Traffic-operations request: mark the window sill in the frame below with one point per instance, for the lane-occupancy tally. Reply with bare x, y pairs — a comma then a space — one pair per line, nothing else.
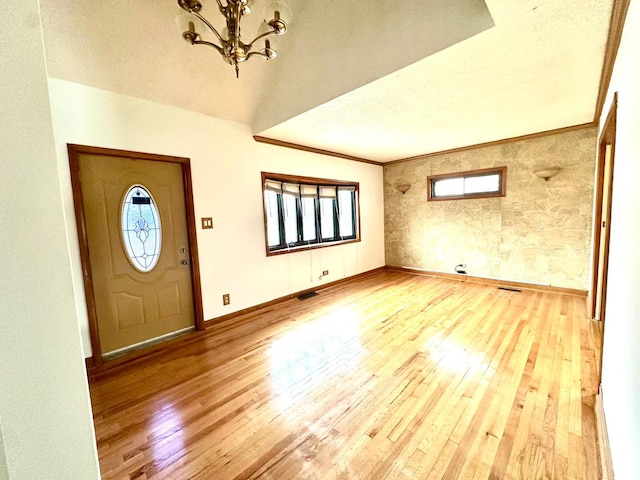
312, 246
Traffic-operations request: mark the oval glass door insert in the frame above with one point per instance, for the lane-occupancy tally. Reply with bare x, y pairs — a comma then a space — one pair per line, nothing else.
141, 228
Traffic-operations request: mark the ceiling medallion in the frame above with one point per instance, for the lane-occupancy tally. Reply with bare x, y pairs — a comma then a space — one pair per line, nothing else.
232, 49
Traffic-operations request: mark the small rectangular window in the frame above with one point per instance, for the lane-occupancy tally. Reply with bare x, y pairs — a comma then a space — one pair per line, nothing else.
302, 212
489, 182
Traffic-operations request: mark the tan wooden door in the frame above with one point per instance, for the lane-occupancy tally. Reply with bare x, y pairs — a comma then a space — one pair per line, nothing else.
145, 295
602, 219
605, 233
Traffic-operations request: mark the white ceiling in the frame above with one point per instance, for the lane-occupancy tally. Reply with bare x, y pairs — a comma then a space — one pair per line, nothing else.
377, 80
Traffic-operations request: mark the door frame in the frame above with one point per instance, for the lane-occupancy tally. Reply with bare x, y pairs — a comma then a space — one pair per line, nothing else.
607, 139
74, 152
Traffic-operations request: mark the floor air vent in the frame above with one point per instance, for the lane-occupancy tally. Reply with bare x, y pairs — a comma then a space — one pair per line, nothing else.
509, 289
304, 296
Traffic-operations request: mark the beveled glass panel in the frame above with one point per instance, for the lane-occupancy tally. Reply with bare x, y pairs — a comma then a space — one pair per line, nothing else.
141, 228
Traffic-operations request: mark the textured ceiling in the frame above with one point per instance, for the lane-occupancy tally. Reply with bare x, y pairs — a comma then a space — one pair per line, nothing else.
381, 80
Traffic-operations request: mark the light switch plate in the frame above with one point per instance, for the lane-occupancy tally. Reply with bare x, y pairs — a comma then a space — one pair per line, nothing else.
207, 222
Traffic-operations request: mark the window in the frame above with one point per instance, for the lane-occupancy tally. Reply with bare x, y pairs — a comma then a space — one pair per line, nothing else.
303, 212
141, 229
490, 182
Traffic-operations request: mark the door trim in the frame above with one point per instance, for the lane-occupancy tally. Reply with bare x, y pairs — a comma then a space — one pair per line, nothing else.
607, 137
74, 152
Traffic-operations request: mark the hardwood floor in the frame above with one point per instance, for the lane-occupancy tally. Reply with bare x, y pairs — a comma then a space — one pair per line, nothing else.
390, 376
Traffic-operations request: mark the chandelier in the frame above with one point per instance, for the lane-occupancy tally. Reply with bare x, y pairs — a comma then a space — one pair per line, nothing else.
229, 43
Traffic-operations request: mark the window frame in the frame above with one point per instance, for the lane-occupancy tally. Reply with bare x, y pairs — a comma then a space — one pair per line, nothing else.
318, 241
502, 191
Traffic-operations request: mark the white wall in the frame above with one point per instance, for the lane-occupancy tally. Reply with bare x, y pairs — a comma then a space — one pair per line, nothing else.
47, 430
621, 368
4, 468
226, 163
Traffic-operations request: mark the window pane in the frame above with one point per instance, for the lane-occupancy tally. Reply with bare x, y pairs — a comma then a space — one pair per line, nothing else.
273, 218
304, 215
141, 228
345, 209
487, 182
481, 184
448, 187
290, 220
326, 218
308, 218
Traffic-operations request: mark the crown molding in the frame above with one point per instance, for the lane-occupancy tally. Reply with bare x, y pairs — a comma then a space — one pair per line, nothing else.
618, 17
494, 143
304, 148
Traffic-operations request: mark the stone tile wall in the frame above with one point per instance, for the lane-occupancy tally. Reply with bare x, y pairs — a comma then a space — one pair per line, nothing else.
539, 233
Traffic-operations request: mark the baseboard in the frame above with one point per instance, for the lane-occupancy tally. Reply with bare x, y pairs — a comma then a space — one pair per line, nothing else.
491, 281
603, 440
270, 303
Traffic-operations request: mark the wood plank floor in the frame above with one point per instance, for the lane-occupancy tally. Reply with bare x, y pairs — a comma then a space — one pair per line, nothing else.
390, 376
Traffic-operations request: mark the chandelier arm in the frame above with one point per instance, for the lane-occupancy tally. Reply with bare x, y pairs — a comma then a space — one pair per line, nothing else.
220, 6
211, 27
259, 37
259, 54
237, 34
203, 42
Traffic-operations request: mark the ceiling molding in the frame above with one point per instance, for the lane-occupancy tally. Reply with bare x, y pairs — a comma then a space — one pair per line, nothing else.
304, 148
498, 142
618, 16
494, 143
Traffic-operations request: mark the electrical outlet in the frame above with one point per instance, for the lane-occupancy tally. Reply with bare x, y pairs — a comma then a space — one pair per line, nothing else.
226, 299
325, 273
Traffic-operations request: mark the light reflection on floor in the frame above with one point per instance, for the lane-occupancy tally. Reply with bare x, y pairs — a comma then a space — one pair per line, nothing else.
166, 422
313, 353
456, 359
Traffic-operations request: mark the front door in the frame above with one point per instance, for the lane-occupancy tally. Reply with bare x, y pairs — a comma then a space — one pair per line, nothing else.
602, 222
138, 245
605, 230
